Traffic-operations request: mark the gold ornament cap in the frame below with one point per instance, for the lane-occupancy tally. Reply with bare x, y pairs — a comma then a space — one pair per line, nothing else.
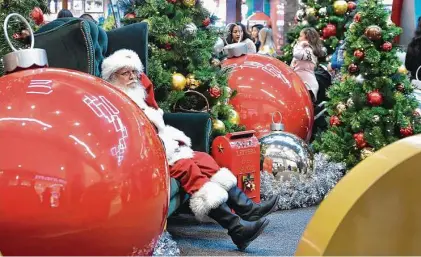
277, 126
23, 58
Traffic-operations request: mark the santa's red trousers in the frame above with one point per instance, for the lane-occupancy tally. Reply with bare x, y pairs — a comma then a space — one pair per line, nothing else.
193, 173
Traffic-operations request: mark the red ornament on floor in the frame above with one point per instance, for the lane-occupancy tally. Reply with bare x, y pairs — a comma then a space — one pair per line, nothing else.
82, 171
266, 85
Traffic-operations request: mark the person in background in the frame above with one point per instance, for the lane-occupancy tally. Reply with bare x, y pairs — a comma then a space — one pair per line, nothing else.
305, 54
88, 17
63, 13
267, 46
413, 52
237, 34
337, 59
255, 34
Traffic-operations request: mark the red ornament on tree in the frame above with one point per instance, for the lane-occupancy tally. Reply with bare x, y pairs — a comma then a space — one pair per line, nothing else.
130, 16
359, 54
357, 17
387, 46
375, 98
335, 121
359, 140
215, 92
329, 31
206, 22
167, 46
37, 16
351, 6
400, 88
353, 68
406, 132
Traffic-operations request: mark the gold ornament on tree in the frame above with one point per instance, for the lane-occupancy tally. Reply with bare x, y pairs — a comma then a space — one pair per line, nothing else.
402, 70
218, 126
178, 81
234, 117
216, 62
311, 11
340, 7
350, 102
189, 3
192, 83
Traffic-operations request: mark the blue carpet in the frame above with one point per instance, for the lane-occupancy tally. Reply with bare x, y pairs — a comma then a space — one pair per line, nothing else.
281, 237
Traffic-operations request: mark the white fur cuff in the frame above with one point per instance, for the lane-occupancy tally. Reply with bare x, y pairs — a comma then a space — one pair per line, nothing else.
225, 178
209, 196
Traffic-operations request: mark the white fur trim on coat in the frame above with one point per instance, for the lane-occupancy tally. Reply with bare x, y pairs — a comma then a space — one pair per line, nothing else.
182, 152
156, 117
209, 196
177, 135
224, 178
120, 59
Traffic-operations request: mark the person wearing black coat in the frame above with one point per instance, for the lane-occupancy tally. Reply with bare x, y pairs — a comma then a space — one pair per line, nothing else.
413, 53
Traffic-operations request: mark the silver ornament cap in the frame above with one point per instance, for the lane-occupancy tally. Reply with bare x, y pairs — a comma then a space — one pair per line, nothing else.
21, 59
277, 126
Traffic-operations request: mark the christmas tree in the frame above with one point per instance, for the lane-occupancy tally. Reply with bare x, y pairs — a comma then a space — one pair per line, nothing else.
328, 17
183, 68
15, 28
372, 106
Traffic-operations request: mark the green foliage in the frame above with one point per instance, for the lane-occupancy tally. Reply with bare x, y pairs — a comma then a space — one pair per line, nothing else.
379, 70
172, 49
317, 20
24, 8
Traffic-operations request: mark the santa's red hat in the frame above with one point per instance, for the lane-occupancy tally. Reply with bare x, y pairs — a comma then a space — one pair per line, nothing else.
125, 58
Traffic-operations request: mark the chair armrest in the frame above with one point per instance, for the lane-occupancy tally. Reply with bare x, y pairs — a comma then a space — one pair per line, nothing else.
197, 126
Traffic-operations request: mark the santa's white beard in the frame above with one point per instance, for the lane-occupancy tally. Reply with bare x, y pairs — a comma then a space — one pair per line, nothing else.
135, 91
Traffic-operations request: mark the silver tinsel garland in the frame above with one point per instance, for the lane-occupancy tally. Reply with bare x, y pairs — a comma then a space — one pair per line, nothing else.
303, 190
166, 246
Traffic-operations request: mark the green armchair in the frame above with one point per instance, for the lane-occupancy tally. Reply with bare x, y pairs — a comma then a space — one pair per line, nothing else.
81, 45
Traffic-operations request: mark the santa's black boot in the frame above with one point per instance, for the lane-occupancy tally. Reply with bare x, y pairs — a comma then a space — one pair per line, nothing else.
242, 232
246, 208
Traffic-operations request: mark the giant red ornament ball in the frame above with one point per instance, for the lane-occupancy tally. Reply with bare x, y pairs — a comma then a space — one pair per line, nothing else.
266, 85
406, 132
375, 98
82, 169
329, 31
335, 121
359, 54
359, 140
387, 46
37, 16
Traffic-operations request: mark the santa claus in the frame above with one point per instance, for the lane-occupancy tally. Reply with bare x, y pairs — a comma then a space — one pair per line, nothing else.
212, 188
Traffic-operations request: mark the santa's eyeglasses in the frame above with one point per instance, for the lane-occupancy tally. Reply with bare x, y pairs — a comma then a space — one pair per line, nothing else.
127, 74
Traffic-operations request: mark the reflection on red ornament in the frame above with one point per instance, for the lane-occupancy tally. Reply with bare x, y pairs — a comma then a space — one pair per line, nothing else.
375, 98
83, 173
359, 54
335, 121
359, 140
387, 46
266, 85
406, 132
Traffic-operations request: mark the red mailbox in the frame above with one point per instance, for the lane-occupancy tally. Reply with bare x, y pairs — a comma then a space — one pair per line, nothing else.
240, 152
